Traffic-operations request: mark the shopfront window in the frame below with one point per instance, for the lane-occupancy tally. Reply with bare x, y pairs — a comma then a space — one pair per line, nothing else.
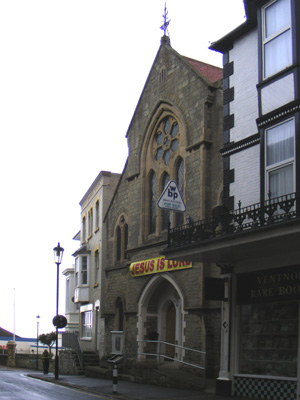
269, 339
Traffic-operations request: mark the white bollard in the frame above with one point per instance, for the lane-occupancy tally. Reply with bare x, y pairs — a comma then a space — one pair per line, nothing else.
115, 379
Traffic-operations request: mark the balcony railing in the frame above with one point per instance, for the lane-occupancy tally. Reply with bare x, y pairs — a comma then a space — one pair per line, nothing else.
223, 222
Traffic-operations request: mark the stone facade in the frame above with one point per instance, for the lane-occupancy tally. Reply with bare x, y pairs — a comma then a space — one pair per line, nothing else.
175, 134
85, 281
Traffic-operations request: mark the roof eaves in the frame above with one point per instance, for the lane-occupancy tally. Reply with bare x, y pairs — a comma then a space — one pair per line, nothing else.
81, 250
226, 42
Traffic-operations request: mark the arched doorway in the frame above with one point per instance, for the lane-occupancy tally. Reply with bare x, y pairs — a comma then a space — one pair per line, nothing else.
161, 314
171, 330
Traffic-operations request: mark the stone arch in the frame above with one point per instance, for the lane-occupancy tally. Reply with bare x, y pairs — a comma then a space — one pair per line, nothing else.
160, 293
165, 113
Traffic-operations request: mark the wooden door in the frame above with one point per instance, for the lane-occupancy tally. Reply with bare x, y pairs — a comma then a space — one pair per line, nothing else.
171, 326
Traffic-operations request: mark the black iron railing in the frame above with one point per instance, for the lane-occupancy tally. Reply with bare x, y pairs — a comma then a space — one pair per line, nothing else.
224, 222
182, 355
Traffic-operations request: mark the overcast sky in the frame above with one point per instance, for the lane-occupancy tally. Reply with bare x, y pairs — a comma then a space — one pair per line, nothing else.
71, 74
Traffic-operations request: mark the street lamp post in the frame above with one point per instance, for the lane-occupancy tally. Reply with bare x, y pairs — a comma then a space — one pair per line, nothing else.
37, 342
58, 254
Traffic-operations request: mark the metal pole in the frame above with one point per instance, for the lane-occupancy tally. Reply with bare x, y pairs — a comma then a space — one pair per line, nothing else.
56, 345
37, 344
14, 334
115, 379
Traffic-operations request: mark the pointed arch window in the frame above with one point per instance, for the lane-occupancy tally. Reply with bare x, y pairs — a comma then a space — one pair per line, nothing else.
152, 203
165, 213
119, 243
180, 184
121, 240
164, 163
125, 240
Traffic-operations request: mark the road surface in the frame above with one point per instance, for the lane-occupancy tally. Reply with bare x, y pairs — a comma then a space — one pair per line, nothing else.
16, 385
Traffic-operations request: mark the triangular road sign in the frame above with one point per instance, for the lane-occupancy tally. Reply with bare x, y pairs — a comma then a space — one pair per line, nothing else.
171, 199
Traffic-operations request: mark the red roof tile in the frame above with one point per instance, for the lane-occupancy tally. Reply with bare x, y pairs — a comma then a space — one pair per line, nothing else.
210, 72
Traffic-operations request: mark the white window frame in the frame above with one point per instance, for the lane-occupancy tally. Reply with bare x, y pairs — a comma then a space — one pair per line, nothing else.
76, 271
281, 164
86, 312
97, 208
83, 228
266, 40
84, 271
97, 265
79, 270
90, 222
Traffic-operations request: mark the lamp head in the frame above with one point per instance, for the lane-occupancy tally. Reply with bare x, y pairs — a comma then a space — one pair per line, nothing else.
58, 254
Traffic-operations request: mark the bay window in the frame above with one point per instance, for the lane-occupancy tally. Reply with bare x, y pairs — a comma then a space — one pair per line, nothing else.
84, 271
280, 150
277, 37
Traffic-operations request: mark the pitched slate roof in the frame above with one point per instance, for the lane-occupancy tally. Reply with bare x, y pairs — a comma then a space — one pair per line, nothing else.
210, 72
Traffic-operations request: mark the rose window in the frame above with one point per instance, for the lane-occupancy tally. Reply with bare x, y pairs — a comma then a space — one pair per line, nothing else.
166, 140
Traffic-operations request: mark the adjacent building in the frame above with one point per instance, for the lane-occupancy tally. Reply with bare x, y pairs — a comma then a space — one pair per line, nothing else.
85, 281
254, 238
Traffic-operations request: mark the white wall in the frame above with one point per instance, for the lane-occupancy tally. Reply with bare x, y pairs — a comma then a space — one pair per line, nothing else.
246, 185
244, 80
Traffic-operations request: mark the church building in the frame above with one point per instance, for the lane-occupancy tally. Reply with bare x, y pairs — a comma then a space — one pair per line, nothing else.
174, 141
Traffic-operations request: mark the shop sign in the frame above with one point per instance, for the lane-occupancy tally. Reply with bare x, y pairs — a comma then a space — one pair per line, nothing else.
280, 284
157, 265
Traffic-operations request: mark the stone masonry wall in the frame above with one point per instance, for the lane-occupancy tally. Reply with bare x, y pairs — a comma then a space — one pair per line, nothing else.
197, 106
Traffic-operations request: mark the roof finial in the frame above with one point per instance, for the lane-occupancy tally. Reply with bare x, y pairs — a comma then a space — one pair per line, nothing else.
165, 24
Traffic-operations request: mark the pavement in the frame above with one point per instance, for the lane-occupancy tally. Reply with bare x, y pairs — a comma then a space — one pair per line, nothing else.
127, 390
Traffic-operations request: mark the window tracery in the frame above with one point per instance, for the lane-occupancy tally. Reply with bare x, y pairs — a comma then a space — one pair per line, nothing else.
166, 140
165, 162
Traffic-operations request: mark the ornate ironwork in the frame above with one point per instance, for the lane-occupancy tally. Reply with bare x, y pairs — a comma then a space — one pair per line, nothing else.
165, 24
223, 222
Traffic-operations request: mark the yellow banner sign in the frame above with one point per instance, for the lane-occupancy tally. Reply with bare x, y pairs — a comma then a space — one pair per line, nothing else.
156, 265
